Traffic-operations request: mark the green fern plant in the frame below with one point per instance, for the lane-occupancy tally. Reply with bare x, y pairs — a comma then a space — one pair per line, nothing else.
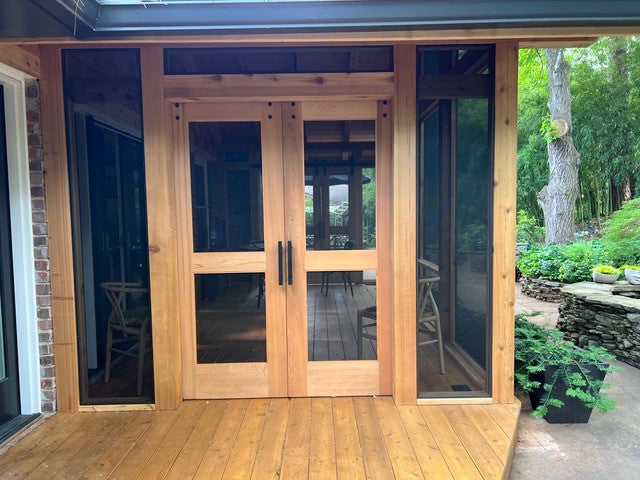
537, 348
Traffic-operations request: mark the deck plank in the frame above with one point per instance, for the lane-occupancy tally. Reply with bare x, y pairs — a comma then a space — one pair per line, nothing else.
454, 452
322, 450
243, 453
401, 452
295, 460
428, 454
482, 454
269, 456
216, 457
349, 460
350, 438
376, 459
188, 460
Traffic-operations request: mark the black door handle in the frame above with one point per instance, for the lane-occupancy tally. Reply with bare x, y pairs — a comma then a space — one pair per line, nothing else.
280, 272
290, 262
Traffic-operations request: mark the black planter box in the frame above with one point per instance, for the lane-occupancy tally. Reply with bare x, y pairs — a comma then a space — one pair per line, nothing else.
574, 409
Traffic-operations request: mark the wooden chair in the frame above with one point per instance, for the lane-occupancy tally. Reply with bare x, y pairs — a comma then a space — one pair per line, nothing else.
346, 276
129, 324
428, 319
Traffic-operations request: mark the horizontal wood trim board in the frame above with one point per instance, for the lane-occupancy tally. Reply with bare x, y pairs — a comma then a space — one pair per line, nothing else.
277, 87
379, 37
455, 401
21, 59
228, 262
342, 378
223, 112
231, 380
347, 110
454, 86
341, 260
130, 407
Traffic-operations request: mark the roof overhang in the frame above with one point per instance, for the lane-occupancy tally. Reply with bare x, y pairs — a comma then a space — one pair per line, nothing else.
100, 19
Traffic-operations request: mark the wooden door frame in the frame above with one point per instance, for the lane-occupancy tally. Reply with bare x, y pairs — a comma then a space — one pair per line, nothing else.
231, 380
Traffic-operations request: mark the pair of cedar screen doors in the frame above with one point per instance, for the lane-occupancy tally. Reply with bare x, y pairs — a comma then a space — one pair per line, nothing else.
284, 214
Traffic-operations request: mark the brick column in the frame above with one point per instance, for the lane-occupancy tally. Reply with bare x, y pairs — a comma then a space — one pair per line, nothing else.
40, 247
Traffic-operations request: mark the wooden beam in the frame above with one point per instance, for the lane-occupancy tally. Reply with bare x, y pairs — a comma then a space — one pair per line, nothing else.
378, 37
504, 220
161, 226
278, 87
454, 85
404, 226
558, 42
59, 230
24, 59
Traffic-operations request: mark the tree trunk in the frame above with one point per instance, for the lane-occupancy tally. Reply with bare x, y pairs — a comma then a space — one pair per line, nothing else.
558, 198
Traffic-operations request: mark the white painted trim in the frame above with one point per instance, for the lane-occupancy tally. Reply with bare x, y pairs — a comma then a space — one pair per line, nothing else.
22, 238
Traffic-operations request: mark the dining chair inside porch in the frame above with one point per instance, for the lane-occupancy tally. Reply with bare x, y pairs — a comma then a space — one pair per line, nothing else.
428, 320
126, 325
346, 276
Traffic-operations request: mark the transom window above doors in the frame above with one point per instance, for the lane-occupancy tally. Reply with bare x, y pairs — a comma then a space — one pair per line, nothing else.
202, 61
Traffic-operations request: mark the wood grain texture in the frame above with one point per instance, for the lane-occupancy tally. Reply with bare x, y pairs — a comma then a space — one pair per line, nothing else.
341, 260
342, 378
384, 242
568, 35
404, 226
345, 110
59, 230
504, 220
161, 228
277, 87
345, 438
27, 60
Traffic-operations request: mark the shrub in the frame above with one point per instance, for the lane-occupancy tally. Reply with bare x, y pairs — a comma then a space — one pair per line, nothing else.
606, 270
624, 224
563, 263
527, 229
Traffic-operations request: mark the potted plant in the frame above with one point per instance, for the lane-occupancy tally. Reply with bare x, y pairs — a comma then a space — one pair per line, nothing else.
564, 382
632, 274
605, 274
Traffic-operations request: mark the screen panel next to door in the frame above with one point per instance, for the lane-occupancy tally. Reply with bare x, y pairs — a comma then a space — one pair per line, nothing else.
109, 216
454, 222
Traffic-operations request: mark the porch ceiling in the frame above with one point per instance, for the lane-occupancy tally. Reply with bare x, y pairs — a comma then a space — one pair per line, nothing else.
108, 18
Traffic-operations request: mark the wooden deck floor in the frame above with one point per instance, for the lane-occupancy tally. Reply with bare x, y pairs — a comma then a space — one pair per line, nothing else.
320, 438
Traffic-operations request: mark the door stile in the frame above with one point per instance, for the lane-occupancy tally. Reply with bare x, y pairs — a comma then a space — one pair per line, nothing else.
297, 336
274, 232
180, 128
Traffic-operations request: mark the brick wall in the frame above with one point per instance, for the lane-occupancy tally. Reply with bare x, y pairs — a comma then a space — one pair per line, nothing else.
40, 247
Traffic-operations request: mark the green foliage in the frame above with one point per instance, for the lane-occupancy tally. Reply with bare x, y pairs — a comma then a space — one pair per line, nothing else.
630, 267
527, 229
549, 130
537, 348
606, 270
605, 86
624, 224
563, 263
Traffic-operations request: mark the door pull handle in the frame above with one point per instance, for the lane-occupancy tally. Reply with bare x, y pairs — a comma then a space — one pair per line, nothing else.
290, 263
280, 272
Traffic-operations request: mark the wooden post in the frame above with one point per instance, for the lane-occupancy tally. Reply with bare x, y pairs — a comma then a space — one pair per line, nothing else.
405, 390
504, 219
63, 304
161, 220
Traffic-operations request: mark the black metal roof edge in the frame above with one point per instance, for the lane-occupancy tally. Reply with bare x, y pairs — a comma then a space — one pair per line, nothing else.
363, 14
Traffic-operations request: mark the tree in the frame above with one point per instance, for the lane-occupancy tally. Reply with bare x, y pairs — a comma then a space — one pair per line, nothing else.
558, 197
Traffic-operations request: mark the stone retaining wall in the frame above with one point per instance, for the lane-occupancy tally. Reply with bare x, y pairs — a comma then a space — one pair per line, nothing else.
591, 315
545, 290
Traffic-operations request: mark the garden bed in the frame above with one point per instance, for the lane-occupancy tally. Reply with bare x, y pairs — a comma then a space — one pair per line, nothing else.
590, 314
545, 290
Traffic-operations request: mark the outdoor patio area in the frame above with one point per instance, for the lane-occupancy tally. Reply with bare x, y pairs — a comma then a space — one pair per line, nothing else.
346, 438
